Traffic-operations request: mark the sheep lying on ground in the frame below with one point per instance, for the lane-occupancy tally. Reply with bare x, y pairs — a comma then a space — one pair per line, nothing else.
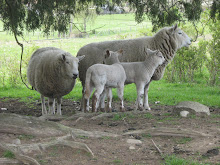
100, 76
52, 72
168, 40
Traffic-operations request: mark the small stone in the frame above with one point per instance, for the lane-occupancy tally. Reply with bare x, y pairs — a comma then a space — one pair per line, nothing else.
16, 141
134, 141
4, 109
132, 148
184, 113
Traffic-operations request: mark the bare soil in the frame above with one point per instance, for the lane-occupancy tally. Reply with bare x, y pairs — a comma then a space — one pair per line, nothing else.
202, 146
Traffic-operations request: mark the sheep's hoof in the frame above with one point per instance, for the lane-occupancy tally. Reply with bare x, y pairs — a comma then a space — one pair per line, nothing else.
102, 109
122, 109
147, 108
109, 110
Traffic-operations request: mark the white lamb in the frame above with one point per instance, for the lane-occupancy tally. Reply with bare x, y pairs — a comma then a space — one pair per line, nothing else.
140, 73
52, 72
101, 76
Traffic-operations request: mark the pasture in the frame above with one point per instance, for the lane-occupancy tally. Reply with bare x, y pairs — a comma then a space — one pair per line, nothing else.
201, 133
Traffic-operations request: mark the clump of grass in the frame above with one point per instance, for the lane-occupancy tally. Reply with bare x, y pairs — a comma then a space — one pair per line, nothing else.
183, 140
25, 137
148, 116
117, 117
174, 160
9, 154
117, 161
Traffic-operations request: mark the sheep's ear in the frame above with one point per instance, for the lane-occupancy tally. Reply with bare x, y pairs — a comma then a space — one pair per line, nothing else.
148, 51
172, 30
81, 57
121, 51
63, 57
107, 54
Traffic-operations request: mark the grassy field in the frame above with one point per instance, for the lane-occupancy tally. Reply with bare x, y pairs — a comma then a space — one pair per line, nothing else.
166, 93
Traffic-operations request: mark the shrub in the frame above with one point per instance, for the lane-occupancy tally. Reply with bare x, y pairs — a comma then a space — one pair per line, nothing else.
187, 63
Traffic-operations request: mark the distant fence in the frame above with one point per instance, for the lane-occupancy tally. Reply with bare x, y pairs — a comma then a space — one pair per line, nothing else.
96, 32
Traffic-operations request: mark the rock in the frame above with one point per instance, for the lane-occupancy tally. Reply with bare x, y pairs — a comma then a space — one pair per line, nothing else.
134, 141
4, 109
131, 148
184, 113
211, 152
16, 141
191, 107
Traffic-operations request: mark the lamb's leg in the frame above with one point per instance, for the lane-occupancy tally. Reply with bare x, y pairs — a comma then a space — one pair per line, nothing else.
146, 89
109, 102
86, 100
140, 95
102, 100
44, 110
59, 101
95, 98
51, 105
120, 95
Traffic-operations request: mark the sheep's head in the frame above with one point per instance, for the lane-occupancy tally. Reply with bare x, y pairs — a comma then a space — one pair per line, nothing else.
112, 57
69, 65
180, 37
156, 55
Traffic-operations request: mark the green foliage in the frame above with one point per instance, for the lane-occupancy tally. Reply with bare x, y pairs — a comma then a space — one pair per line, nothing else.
187, 64
9, 154
9, 65
213, 63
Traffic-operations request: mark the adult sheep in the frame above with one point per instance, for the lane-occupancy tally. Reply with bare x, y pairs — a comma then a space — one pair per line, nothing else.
52, 72
167, 40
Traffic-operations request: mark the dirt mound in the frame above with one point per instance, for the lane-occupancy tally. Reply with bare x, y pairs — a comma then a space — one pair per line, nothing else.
102, 138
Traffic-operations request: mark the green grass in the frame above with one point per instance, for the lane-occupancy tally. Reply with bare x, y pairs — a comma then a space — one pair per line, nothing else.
9, 154
183, 140
174, 160
166, 93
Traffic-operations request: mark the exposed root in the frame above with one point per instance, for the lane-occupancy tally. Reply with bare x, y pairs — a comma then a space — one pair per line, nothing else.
19, 156
161, 154
164, 131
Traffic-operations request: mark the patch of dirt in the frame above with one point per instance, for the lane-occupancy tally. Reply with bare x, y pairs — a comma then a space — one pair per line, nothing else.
116, 150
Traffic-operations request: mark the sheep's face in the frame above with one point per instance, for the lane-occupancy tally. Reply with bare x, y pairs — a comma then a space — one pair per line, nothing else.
156, 55
70, 66
180, 37
159, 57
112, 57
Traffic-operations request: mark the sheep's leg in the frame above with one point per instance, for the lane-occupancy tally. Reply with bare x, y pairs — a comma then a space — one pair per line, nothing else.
86, 101
102, 100
140, 95
82, 100
95, 98
146, 89
44, 110
51, 105
59, 101
109, 102
120, 91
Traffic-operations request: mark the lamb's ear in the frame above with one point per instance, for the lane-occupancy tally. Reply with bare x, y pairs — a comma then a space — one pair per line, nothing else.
148, 51
121, 51
81, 57
107, 54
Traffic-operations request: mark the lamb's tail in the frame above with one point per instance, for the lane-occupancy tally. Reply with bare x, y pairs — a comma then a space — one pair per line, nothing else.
87, 84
